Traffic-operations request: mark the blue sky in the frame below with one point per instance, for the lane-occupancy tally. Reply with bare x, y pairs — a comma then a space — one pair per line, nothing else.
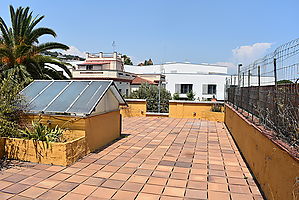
198, 31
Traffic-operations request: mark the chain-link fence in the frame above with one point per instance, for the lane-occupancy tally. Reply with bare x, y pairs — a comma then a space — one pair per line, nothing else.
156, 106
267, 92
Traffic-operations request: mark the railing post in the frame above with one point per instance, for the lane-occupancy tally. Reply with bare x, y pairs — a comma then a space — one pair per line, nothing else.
275, 93
258, 91
243, 82
275, 72
239, 71
248, 78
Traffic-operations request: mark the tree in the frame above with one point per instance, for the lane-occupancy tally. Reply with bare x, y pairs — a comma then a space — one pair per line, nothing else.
151, 94
20, 50
149, 62
127, 60
146, 62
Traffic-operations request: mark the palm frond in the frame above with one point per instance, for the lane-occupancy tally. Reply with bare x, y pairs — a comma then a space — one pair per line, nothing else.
50, 46
36, 33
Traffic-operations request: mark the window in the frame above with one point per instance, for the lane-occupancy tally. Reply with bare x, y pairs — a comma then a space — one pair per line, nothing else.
127, 92
208, 89
119, 90
89, 67
185, 88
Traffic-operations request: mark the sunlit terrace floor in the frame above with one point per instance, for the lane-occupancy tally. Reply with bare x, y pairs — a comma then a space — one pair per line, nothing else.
159, 158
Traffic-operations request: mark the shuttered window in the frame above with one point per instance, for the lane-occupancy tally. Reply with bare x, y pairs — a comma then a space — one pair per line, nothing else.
209, 89
177, 88
186, 88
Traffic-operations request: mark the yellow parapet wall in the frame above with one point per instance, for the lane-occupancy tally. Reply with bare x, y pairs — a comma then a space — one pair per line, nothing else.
2, 147
68, 122
102, 129
192, 109
85, 134
135, 108
275, 169
36, 151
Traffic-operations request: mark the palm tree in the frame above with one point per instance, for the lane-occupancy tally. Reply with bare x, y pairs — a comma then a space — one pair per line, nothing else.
21, 52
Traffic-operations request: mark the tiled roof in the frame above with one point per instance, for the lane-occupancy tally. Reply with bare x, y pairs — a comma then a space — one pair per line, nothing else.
138, 80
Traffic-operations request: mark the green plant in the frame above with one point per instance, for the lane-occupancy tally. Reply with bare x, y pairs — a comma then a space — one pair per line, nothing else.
151, 94
42, 132
11, 106
176, 96
216, 107
20, 47
191, 96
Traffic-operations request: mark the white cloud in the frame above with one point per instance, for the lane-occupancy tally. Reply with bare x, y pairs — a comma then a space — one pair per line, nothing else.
250, 53
74, 51
245, 55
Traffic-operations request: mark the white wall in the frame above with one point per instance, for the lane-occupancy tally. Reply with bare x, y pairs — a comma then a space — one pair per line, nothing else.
186, 73
177, 68
107, 104
123, 86
197, 81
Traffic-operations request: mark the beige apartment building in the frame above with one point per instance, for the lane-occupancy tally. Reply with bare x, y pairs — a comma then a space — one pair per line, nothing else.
105, 66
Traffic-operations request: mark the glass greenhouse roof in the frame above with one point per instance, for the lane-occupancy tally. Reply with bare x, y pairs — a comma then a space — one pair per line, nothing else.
67, 96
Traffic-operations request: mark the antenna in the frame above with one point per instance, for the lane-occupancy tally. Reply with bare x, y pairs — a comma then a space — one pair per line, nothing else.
113, 45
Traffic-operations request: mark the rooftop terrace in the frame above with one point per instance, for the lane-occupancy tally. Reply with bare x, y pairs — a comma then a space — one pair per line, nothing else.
158, 158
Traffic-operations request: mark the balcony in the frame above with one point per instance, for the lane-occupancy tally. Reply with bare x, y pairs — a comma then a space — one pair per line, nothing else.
81, 74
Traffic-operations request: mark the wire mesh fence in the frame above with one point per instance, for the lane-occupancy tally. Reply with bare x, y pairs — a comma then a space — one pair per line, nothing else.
156, 106
267, 92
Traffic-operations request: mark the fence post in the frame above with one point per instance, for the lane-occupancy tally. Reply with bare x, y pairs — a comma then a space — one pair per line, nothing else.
275, 93
243, 82
258, 92
239, 69
248, 78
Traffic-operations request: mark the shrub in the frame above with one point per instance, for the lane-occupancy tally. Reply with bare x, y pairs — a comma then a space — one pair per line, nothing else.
42, 132
191, 96
216, 107
11, 106
176, 96
151, 94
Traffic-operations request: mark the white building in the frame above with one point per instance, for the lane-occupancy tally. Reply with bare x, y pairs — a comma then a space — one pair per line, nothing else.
204, 80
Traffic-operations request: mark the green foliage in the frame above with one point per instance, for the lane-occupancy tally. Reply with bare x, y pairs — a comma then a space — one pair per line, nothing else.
41, 132
11, 105
64, 56
176, 96
191, 96
146, 62
151, 94
20, 47
216, 107
127, 60
284, 82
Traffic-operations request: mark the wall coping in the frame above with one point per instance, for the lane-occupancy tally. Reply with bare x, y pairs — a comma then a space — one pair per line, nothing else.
196, 102
154, 113
139, 100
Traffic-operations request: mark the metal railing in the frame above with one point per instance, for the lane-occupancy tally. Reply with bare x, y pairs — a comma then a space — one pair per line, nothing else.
267, 92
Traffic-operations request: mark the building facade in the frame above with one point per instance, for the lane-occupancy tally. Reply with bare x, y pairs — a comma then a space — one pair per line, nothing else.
206, 81
105, 66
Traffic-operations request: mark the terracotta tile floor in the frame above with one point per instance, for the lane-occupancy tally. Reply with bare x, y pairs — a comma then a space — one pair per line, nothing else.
158, 158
